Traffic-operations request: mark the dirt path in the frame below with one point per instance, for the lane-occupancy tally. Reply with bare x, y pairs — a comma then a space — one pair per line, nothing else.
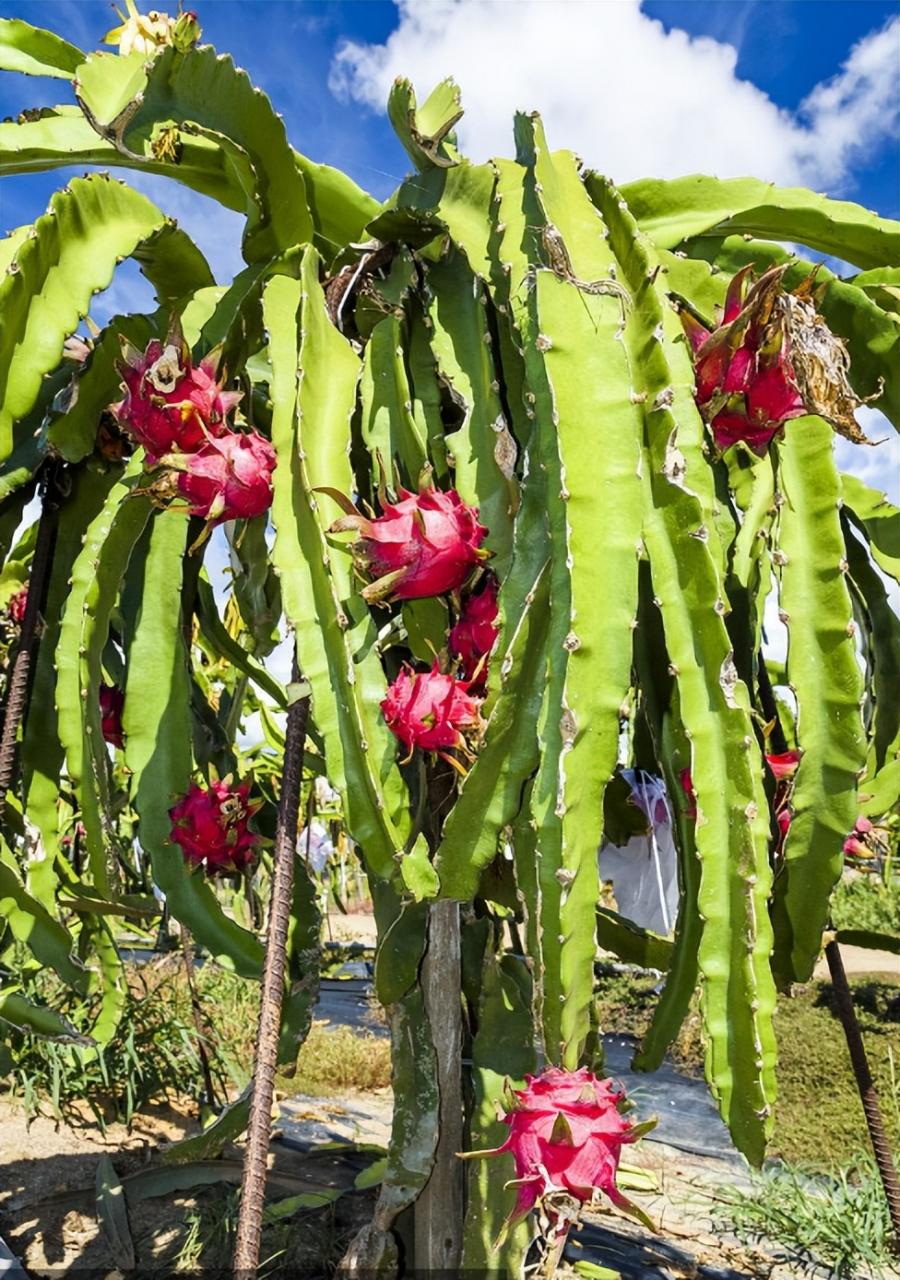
859, 960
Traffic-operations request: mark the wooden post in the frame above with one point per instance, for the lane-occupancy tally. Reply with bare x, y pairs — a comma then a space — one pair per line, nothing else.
439, 1210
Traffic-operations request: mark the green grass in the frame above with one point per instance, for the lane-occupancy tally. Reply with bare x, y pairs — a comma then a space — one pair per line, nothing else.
154, 1051
819, 1119
866, 902
335, 1059
840, 1224
331, 1060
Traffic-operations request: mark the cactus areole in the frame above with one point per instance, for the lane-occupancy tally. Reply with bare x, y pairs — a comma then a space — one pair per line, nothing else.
520, 462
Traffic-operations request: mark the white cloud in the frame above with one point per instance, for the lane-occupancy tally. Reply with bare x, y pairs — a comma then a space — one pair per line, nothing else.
631, 98
856, 109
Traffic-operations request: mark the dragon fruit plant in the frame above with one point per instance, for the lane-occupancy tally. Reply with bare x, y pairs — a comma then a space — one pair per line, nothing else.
581, 437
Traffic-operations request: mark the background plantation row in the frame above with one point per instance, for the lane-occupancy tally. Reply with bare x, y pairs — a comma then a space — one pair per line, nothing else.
610, 412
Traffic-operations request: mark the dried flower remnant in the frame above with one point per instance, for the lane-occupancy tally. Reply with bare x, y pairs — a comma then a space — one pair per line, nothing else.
772, 359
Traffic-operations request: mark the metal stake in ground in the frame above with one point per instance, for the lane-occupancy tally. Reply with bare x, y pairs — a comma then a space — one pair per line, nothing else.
19, 677
253, 1186
866, 1086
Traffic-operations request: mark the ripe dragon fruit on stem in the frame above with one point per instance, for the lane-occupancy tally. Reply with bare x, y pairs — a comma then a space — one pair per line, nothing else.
425, 544
430, 710
170, 406
566, 1132
112, 703
211, 824
475, 633
17, 604
227, 478
772, 358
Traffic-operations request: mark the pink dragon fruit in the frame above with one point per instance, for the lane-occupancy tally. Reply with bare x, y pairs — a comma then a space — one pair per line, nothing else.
566, 1132
772, 358
169, 405
429, 710
17, 604
227, 478
212, 826
425, 544
475, 633
112, 703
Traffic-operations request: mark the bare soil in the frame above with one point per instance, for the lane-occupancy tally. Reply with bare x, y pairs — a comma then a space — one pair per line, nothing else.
48, 1174
47, 1181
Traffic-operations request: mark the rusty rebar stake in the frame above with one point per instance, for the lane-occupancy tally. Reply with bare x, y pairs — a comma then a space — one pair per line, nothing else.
253, 1185
866, 1085
20, 673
